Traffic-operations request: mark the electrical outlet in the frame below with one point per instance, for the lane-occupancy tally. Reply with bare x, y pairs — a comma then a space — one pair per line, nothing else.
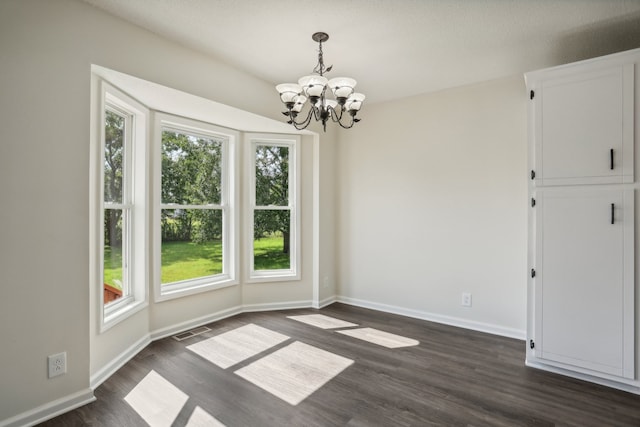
57, 364
466, 299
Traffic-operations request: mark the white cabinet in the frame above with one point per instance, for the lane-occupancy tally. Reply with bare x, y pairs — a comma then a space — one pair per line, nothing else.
581, 309
583, 125
584, 305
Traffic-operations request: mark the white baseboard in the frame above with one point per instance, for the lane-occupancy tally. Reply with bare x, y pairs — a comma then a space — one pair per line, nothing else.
194, 323
325, 302
438, 318
50, 409
249, 308
635, 389
106, 371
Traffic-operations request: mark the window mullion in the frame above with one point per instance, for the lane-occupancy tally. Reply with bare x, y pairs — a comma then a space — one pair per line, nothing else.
180, 206
272, 208
109, 205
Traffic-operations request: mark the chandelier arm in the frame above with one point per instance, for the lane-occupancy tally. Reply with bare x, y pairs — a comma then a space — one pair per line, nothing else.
303, 124
347, 127
317, 114
335, 116
342, 125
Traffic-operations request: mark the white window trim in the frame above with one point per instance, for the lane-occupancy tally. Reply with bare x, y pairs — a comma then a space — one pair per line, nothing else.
293, 142
136, 167
228, 203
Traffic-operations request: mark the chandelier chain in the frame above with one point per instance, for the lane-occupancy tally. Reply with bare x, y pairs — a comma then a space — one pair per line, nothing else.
319, 69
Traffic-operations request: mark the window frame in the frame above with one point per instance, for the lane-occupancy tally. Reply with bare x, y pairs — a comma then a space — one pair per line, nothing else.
227, 204
134, 206
294, 270
125, 205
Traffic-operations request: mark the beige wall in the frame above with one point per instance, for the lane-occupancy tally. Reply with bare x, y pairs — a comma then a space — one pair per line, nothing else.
327, 237
432, 203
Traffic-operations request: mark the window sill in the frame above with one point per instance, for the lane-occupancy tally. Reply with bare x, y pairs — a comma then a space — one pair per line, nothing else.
169, 292
121, 313
273, 276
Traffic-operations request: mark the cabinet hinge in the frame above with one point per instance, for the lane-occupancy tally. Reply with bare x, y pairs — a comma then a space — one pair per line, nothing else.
532, 345
533, 174
531, 94
533, 273
533, 202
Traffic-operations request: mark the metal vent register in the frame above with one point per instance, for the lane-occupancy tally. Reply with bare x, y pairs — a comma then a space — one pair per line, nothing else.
192, 333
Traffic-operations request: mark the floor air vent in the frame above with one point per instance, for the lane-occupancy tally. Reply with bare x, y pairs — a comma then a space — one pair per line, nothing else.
191, 333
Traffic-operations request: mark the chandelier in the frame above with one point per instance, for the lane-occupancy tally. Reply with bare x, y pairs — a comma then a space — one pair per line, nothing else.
313, 88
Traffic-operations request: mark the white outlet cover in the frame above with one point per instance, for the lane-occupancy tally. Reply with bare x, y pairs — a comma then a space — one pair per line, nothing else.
57, 364
466, 299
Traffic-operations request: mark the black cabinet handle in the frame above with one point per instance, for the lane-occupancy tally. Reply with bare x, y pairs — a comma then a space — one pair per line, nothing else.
611, 158
612, 213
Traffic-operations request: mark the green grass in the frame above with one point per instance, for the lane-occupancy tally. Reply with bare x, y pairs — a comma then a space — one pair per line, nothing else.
112, 266
186, 260
268, 255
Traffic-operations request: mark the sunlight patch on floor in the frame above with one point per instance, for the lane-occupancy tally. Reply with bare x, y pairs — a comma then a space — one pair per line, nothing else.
322, 321
234, 346
382, 338
156, 400
294, 372
201, 418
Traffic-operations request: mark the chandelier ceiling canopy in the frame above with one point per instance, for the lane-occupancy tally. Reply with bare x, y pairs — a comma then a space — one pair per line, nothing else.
313, 88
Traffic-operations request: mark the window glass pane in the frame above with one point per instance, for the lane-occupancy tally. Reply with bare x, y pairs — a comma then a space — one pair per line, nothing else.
272, 175
191, 244
191, 169
113, 156
271, 240
113, 279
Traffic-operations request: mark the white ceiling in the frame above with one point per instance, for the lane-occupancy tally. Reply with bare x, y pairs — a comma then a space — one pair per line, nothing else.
394, 48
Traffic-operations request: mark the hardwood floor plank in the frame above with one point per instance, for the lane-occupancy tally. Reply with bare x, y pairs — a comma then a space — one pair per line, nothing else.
454, 377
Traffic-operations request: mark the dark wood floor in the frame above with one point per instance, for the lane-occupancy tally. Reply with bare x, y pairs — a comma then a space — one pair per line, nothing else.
455, 377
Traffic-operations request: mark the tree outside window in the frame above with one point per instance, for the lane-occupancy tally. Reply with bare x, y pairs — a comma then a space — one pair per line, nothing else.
192, 213
274, 216
115, 278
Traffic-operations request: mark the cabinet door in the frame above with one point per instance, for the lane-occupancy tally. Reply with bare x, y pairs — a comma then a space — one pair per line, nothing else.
584, 126
584, 288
